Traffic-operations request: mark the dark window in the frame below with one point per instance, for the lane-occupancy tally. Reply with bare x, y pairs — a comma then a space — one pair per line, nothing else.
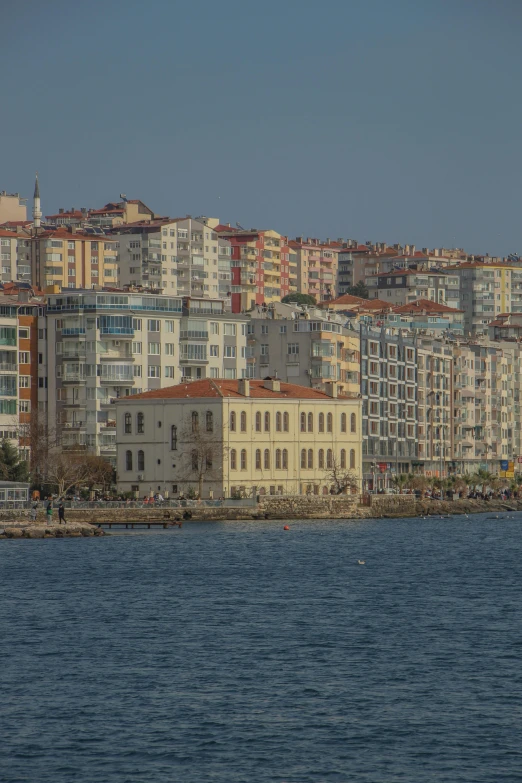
141, 460
174, 438
140, 423
128, 460
127, 424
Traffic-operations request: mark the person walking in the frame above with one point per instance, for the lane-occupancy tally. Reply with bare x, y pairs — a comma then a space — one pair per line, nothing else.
49, 510
33, 511
61, 513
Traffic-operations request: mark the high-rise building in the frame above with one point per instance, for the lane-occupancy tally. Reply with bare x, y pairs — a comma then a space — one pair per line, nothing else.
15, 255
316, 267
73, 259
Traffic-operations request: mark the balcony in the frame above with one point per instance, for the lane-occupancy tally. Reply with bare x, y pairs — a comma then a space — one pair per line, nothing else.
119, 330
73, 331
8, 367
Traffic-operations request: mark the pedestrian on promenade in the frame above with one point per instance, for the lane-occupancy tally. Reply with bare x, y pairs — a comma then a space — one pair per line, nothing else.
61, 513
33, 511
49, 510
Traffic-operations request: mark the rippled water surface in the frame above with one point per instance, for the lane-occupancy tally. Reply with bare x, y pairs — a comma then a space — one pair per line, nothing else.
224, 653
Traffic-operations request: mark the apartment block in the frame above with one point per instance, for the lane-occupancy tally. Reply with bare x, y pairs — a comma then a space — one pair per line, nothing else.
13, 208
15, 255
72, 259
246, 437
260, 266
106, 345
9, 358
316, 267
399, 287
303, 345
486, 290
435, 408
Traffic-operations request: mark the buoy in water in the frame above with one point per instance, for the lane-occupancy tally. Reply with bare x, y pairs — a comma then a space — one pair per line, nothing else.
286, 527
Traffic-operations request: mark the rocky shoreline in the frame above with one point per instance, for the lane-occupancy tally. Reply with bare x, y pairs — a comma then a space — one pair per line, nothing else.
69, 530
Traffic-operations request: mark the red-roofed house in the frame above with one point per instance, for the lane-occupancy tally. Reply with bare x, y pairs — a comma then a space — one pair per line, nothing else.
224, 438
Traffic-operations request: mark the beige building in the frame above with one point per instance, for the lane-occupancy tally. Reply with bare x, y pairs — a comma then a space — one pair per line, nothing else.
229, 438
13, 208
15, 254
316, 267
72, 259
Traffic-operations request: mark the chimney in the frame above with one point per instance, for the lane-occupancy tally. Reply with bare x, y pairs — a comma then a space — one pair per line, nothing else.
243, 387
330, 388
60, 211
272, 384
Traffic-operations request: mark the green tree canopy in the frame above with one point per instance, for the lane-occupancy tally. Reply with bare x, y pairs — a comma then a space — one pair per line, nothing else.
12, 468
301, 299
359, 290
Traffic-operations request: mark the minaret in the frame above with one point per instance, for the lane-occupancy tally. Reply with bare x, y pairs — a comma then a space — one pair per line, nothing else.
37, 212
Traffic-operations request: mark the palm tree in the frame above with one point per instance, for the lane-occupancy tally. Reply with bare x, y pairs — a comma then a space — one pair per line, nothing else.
400, 481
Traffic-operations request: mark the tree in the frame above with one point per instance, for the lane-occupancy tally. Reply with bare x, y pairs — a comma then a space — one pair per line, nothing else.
360, 289
202, 450
98, 471
12, 468
65, 470
400, 481
40, 439
300, 299
341, 479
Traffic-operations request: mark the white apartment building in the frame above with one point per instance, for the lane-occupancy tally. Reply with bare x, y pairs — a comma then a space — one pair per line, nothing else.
106, 345
182, 257
8, 371
15, 255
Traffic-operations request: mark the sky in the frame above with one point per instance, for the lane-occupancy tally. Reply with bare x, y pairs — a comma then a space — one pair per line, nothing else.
375, 120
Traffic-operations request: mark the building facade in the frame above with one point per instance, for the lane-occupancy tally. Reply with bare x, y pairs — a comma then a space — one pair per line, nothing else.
316, 267
72, 259
223, 439
15, 255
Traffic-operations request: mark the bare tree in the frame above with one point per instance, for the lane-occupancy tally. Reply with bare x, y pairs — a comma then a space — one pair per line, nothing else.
40, 439
202, 449
65, 470
341, 479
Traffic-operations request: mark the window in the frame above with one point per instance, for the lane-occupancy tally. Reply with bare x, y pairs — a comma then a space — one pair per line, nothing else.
173, 438
303, 422
194, 459
321, 422
266, 459
329, 422
303, 458
169, 349
169, 371
209, 421
154, 349
285, 459
23, 357
24, 381
24, 406
136, 324
141, 460
286, 422
343, 422
154, 371
136, 347
214, 327
23, 334
329, 458
242, 421
169, 326
230, 352
278, 422
214, 350
229, 329
310, 422
258, 459
353, 423
195, 421
292, 349
128, 460
352, 459
153, 325
343, 458
258, 422
243, 458
310, 459
127, 426
140, 423
321, 458
232, 421
233, 459
267, 422
278, 459
136, 370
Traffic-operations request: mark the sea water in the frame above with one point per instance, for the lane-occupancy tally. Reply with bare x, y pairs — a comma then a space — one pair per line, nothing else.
233, 652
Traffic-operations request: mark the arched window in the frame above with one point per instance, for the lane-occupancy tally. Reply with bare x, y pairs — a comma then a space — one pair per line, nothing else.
258, 459
173, 438
141, 460
267, 421
321, 458
321, 422
329, 459
310, 458
343, 422
242, 421
303, 422
243, 459
278, 422
258, 421
233, 459
128, 460
127, 424
286, 422
232, 421
194, 458
278, 459
140, 423
209, 419
343, 458
303, 458
262, 490
195, 421
353, 423
310, 422
329, 422
352, 459
285, 459
266, 460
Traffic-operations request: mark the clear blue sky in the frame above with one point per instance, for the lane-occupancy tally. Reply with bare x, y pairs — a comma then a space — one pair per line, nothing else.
389, 120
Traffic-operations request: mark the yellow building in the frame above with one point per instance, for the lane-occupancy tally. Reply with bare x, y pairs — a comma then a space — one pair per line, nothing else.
72, 259
227, 438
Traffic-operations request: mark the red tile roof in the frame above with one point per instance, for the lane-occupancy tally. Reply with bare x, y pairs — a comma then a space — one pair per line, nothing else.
424, 306
15, 223
357, 303
345, 299
222, 388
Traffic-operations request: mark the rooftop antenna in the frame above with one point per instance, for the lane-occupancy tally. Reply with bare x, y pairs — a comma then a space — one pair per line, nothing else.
241, 227
123, 196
